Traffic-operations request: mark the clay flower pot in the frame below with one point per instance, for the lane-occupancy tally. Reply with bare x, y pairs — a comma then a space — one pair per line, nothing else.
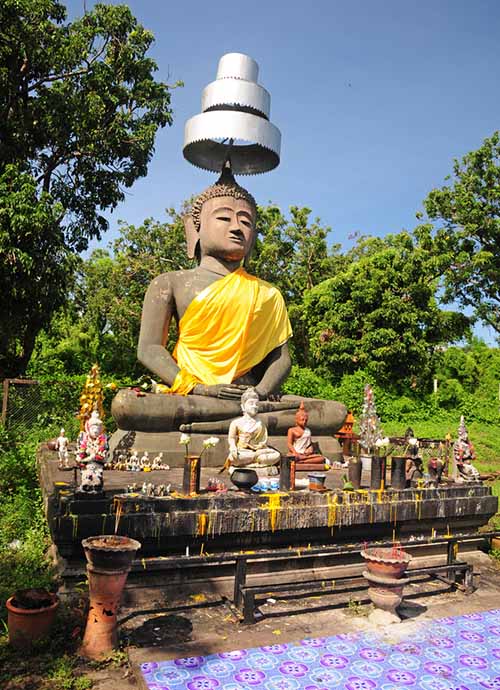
110, 552
384, 593
386, 562
244, 478
26, 625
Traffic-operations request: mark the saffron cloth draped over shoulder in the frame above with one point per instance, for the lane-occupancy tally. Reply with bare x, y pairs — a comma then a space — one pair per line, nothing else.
228, 329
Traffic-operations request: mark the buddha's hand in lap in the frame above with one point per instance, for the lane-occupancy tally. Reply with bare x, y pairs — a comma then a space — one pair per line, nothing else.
226, 391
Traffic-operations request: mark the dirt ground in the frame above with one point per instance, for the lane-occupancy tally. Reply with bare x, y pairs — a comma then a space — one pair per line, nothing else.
200, 624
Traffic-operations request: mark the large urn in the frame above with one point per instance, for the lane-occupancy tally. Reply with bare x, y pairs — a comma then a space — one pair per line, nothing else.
109, 559
385, 575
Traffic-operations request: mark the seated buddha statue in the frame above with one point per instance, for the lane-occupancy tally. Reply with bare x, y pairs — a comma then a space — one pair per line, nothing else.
300, 443
233, 332
247, 436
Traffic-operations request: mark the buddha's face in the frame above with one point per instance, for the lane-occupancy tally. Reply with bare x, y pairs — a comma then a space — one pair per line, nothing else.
227, 229
251, 406
301, 419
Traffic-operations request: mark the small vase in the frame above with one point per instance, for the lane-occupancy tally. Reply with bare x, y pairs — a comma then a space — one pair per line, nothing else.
354, 472
377, 478
366, 462
28, 625
398, 472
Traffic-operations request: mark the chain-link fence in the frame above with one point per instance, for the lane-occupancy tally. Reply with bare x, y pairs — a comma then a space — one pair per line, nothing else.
26, 403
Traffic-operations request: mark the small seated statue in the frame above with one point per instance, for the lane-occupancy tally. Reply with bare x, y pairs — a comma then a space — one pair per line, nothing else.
300, 443
414, 463
247, 436
437, 465
62, 443
464, 454
233, 332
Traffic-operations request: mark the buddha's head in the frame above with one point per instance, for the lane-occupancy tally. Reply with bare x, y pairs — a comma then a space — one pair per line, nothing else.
222, 221
250, 402
301, 416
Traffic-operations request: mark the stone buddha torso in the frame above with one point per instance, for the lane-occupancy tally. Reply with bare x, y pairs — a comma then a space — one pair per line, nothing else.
204, 393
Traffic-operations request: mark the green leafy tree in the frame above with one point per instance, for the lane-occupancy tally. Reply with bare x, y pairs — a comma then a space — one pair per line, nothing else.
293, 255
466, 236
103, 319
79, 110
380, 315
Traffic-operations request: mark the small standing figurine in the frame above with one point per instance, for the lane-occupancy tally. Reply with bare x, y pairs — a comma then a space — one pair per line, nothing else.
464, 454
62, 444
300, 443
248, 436
92, 453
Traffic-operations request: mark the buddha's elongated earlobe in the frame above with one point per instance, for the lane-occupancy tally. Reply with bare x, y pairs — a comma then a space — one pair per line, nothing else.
192, 237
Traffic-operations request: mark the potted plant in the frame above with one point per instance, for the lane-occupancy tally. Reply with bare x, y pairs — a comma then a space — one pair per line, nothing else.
31, 613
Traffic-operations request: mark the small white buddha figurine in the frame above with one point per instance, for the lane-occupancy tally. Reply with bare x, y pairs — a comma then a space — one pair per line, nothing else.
133, 461
247, 436
144, 461
157, 461
62, 444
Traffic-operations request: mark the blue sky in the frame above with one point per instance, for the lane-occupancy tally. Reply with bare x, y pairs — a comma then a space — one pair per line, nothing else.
374, 99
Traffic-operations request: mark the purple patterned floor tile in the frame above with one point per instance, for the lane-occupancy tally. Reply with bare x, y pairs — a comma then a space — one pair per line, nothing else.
454, 653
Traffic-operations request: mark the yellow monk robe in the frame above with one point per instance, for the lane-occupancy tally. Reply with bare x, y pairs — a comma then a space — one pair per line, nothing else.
228, 329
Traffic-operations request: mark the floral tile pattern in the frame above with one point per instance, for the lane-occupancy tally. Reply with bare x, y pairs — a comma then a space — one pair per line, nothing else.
459, 653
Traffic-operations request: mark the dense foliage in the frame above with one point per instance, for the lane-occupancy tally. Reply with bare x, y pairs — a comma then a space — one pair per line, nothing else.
465, 239
79, 110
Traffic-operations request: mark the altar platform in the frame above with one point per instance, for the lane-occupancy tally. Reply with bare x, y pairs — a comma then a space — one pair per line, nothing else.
216, 522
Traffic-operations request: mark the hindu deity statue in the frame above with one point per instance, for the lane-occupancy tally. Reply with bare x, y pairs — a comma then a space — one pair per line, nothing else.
92, 453
464, 454
247, 436
300, 443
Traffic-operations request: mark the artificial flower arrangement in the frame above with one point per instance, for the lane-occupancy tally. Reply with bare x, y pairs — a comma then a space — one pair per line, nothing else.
211, 442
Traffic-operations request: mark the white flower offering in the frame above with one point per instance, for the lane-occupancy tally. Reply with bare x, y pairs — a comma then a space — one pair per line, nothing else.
211, 442
185, 439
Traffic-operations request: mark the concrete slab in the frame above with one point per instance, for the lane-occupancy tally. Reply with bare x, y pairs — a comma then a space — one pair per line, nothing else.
209, 626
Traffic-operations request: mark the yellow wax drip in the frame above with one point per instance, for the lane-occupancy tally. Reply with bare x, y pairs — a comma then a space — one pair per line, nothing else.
202, 524
274, 504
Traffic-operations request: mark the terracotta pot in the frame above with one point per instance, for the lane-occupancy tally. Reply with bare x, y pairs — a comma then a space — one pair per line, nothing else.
495, 543
52, 444
386, 562
354, 472
387, 599
110, 552
27, 625
109, 560
244, 478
